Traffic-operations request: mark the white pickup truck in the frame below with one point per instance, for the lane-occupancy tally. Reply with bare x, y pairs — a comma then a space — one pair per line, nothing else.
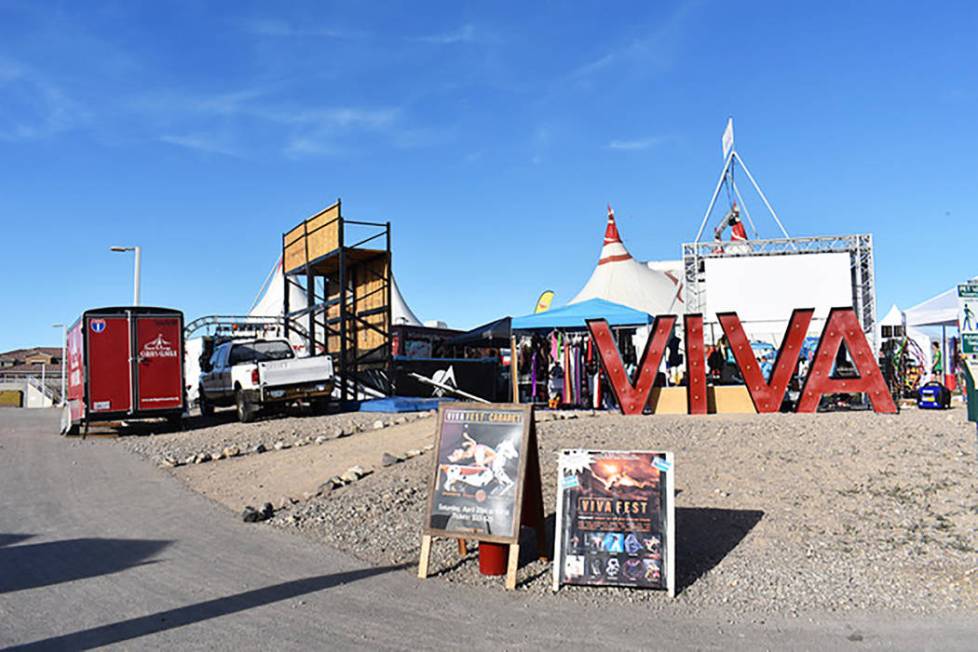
252, 374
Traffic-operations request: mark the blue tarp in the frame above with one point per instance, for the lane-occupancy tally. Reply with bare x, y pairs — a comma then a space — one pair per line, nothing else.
401, 404
575, 316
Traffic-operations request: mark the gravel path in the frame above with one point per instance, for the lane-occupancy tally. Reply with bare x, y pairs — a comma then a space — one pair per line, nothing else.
775, 513
211, 436
98, 549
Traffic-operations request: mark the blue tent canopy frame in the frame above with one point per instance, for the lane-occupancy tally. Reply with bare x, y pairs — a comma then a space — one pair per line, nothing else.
575, 316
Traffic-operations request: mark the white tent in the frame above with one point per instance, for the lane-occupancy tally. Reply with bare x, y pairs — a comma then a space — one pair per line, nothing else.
401, 313
271, 299
895, 317
271, 303
941, 310
619, 278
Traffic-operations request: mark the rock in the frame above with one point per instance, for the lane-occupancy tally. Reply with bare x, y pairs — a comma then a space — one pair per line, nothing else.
232, 451
325, 488
353, 474
390, 460
259, 448
301, 442
281, 445
414, 452
286, 502
200, 458
378, 424
336, 482
217, 455
429, 447
169, 462
250, 515
344, 432
320, 439
309, 495
400, 420
191, 460
267, 511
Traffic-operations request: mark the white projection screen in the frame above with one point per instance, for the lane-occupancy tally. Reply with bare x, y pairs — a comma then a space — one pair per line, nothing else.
764, 290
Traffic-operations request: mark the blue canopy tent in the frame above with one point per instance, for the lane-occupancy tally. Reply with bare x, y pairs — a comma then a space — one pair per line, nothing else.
575, 316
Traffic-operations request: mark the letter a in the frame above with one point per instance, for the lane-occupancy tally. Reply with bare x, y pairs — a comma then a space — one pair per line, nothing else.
767, 396
842, 325
631, 398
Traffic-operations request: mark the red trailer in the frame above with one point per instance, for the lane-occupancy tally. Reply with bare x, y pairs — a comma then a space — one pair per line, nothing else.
125, 363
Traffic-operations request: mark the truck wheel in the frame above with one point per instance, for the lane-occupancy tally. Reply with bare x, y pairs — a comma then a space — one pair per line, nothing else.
206, 409
246, 410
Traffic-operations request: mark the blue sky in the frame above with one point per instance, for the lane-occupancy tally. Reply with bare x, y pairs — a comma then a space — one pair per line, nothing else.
491, 135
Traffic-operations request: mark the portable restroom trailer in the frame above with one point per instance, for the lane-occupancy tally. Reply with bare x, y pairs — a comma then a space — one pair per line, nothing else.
125, 363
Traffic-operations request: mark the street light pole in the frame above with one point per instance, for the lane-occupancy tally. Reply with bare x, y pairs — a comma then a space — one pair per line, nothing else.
138, 251
135, 276
64, 359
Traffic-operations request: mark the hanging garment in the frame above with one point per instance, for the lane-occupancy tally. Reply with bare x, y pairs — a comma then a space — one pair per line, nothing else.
533, 377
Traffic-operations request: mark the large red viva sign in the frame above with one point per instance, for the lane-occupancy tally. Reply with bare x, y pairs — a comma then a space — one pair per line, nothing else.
841, 326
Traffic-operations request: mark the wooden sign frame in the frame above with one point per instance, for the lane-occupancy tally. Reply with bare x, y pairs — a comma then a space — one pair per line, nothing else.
527, 502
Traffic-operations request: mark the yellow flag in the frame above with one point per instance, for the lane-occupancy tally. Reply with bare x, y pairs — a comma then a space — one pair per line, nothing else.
543, 303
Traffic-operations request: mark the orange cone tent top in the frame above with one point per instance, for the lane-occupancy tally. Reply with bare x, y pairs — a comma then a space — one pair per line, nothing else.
619, 278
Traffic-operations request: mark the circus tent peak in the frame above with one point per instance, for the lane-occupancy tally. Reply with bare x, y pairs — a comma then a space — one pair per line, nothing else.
619, 278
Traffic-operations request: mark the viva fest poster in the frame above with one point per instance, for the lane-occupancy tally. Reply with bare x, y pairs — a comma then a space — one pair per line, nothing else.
477, 471
615, 519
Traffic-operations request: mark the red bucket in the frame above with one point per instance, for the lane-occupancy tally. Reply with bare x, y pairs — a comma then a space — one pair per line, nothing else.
493, 558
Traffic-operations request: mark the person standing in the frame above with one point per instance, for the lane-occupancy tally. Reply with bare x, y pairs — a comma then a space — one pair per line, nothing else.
937, 368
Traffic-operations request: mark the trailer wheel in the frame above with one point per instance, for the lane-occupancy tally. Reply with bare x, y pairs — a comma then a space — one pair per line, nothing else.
206, 409
246, 410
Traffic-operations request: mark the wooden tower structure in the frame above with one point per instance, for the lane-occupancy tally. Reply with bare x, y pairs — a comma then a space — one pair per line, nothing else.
344, 269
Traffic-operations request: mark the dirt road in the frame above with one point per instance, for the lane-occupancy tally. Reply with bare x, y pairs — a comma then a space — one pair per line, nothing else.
98, 547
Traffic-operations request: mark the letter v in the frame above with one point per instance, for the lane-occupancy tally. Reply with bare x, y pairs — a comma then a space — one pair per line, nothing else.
767, 396
631, 398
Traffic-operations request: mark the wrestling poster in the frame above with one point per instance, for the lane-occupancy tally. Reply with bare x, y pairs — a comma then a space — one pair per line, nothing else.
476, 488
615, 523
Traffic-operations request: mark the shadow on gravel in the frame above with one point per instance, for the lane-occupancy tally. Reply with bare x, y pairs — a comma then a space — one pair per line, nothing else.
704, 536
53, 562
127, 630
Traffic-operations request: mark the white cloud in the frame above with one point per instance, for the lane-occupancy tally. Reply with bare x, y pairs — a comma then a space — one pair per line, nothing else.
464, 34
276, 28
34, 108
634, 145
202, 143
654, 51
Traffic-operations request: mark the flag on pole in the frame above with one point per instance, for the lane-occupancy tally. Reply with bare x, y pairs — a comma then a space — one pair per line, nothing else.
543, 303
728, 140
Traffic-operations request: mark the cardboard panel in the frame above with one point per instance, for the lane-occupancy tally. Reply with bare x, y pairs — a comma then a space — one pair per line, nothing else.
668, 400
315, 237
729, 399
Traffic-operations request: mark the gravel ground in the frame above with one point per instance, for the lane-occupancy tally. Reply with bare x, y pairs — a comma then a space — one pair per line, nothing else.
209, 436
782, 513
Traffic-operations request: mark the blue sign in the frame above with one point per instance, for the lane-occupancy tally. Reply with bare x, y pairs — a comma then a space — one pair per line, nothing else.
98, 325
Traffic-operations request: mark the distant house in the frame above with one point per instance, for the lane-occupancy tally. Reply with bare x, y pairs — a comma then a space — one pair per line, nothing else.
22, 370
31, 361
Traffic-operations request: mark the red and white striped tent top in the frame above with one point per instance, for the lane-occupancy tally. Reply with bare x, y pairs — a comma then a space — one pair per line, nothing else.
621, 279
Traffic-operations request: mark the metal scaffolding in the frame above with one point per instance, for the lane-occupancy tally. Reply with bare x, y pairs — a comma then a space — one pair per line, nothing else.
859, 247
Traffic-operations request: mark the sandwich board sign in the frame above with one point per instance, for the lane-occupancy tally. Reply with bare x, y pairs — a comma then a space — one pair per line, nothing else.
615, 520
968, 317
485, 483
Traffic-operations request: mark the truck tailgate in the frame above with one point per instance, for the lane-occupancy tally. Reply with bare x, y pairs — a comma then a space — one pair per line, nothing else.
296, 371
